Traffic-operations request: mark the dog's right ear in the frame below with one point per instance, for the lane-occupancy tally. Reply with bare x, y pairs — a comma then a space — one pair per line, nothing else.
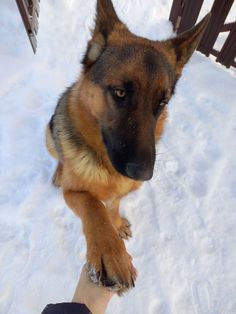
106, 21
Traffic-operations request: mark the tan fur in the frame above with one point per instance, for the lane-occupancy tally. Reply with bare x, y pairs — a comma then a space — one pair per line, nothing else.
50, 144
161, 124
97, 45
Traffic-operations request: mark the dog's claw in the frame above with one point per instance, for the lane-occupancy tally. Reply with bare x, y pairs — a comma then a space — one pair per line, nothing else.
133, 284
92, 274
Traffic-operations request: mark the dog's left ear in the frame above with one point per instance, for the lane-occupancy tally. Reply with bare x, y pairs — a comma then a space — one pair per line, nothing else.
106, 21
184, 44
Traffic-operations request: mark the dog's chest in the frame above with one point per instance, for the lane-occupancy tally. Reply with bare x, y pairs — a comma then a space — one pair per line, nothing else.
88, 174
89, 169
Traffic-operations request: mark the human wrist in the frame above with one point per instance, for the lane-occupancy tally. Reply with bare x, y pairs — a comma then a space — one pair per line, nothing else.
95, 298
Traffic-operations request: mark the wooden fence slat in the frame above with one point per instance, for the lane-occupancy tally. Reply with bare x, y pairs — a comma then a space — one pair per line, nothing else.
227, 27
228, 51
34, 23
220, 10
191, 12
214, 52
37, 8
28, 13
23, 11
27, 3
176, 11
184, 14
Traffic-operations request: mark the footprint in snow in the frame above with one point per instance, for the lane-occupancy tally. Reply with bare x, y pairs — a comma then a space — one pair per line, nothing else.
202, 297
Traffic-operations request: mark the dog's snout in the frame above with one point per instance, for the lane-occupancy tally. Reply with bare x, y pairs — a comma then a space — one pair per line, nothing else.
139, 171
132, 169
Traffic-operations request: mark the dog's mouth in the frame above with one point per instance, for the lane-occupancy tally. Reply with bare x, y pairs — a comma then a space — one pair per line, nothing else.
128, 163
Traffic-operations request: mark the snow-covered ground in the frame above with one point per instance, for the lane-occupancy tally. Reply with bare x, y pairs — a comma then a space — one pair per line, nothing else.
183, 220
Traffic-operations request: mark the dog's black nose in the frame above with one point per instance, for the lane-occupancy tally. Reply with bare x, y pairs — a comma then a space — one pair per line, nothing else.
138, 171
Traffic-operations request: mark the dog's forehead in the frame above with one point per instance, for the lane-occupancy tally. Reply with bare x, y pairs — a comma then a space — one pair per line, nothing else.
132, 61
146, 56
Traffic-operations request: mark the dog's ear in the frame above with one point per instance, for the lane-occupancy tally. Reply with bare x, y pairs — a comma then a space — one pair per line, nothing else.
184, 44
105, 22
106, 18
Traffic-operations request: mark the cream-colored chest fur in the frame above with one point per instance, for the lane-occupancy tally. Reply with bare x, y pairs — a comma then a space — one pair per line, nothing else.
86, 173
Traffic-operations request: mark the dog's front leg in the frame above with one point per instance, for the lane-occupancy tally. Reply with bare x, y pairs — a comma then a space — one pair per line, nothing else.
109, 263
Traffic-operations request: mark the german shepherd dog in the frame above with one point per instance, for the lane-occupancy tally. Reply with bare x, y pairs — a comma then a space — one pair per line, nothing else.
104, 130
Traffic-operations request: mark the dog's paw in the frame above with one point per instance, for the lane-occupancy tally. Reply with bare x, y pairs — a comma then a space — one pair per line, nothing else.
110, 265
124, 229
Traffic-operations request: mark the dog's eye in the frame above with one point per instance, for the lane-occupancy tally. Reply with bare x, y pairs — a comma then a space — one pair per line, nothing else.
159, 107
120, 93
163, 103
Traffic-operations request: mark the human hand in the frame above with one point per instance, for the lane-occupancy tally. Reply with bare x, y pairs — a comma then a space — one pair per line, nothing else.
96, 298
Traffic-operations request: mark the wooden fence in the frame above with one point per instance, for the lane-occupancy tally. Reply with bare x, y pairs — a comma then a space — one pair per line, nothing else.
184, 14
29, 10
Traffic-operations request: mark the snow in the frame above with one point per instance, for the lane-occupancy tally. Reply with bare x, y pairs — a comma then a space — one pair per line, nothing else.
183, 220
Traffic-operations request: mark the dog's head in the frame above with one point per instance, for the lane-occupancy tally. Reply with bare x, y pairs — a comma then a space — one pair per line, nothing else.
131, 81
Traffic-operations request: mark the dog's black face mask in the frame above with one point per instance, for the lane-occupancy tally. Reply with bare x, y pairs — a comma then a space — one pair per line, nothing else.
134, 96
131, 148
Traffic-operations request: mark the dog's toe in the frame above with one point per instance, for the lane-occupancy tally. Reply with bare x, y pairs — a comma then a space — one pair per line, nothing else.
124, 229
113, 269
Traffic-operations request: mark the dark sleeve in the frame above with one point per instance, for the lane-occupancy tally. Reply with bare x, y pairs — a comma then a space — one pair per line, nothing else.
66, 308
